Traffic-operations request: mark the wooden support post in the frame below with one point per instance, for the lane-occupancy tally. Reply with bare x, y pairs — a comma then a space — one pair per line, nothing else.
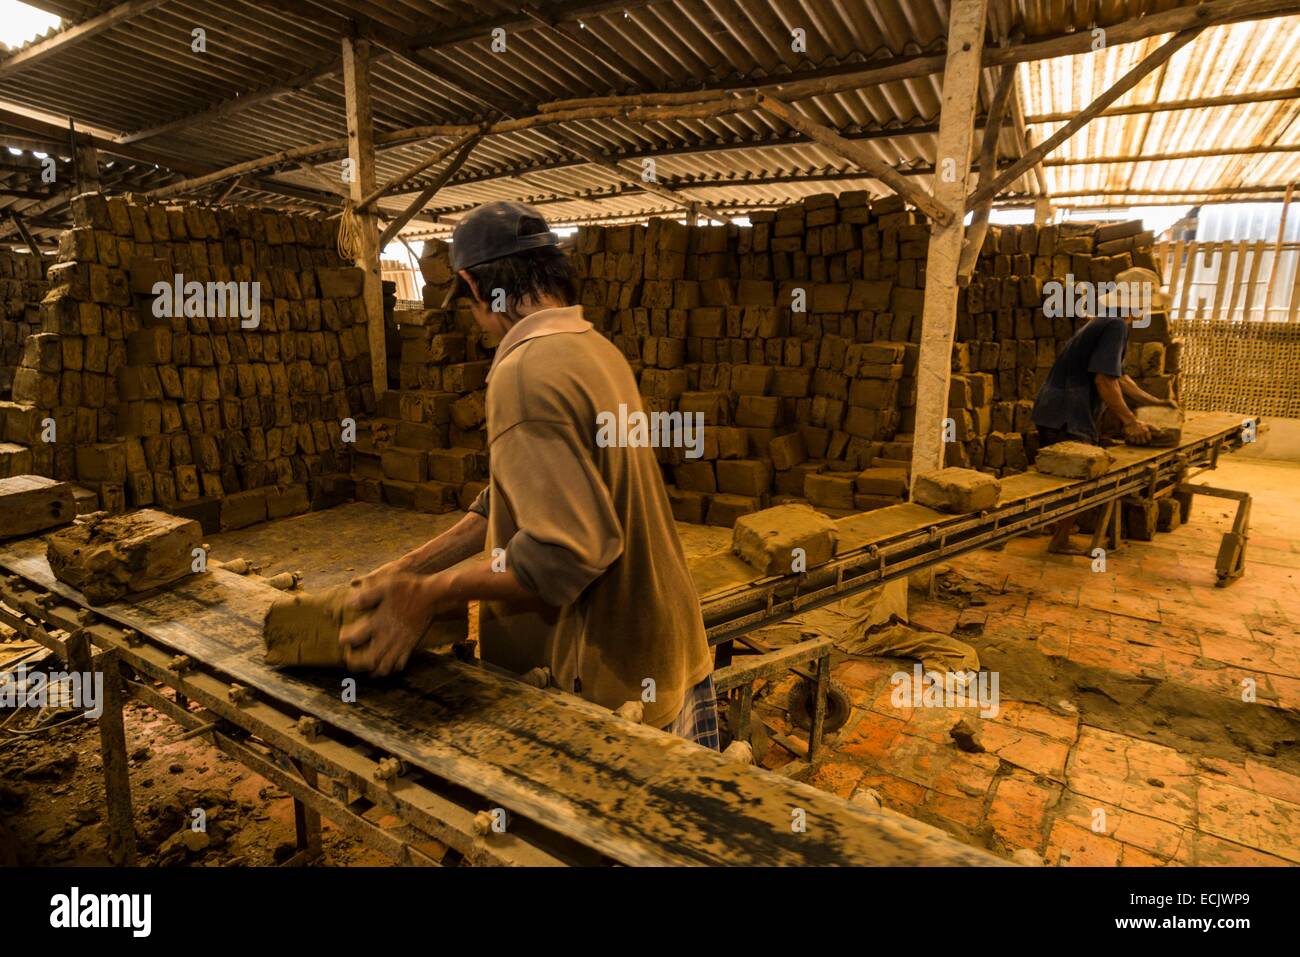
306, 821
961, 79
1081, 119
821, 687
1042, 211
361, 151
85, 161
120, 826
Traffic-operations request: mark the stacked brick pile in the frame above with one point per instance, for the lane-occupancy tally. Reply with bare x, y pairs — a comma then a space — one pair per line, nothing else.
21, 289
427, 448
797, 340
196, 413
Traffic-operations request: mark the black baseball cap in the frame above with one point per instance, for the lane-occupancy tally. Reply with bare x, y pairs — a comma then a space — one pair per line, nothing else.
493, 231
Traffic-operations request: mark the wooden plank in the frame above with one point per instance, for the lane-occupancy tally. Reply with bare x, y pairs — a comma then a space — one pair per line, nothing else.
1221, 283
1174, 268
361, 151
1256, 257
1189, 280
1165, 106
939, 319
746, 669
638, 795
716, 574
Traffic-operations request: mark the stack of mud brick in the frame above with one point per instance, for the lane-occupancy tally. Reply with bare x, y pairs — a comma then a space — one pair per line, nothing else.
427, 449
22, 287
201, 414
797, 340
793, 339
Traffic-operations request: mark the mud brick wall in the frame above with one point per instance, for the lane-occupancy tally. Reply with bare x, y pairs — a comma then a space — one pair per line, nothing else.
21, 290
193, 413
814, 404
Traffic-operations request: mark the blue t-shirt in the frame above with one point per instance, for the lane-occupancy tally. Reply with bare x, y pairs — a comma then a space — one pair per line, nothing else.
1069, 399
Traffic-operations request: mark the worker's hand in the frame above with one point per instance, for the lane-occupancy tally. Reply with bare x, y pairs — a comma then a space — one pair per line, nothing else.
1137, 433
396, 609
380, 574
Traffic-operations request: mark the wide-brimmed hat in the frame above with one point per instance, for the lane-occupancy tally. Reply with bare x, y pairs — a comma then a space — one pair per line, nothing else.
1135, 275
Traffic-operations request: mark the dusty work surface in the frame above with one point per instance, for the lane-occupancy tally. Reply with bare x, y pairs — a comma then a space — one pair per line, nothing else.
1122, 735
635, 794
333, 546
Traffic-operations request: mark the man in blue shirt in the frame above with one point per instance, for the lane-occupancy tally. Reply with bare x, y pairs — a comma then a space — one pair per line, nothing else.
1088, 377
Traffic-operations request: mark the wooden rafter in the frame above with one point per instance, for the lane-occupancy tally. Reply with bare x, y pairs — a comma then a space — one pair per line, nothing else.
427, 194
1167, 106
856, 154
848, 78
408, 174
979, 224
1081, 119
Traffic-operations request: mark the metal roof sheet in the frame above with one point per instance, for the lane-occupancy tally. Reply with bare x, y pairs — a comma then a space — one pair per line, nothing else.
136, 76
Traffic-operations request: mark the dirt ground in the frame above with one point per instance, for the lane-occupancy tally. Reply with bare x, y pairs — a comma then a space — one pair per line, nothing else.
1122, 737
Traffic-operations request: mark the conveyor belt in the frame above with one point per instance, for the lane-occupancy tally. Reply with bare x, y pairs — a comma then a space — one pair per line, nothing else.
634, 794
885, 544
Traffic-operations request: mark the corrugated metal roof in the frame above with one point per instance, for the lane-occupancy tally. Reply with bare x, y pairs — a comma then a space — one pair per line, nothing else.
1225, 60
141, 75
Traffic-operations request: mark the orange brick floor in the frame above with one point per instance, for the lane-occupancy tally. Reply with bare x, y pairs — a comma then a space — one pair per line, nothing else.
1146, 716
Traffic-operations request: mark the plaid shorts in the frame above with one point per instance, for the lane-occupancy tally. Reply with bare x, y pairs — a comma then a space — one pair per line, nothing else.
698, 719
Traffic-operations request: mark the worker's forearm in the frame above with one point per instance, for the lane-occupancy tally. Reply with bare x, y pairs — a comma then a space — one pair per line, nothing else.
1113, 396
1135, 391
463, 540
482, 581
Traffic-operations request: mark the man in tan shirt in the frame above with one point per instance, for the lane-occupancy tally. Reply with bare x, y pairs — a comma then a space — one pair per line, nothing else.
585, 574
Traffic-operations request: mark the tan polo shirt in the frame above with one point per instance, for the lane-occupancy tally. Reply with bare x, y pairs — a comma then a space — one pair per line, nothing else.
588, 528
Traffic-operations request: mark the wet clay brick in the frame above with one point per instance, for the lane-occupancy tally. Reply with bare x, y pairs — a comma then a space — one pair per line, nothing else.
1073, 460
108, 557
956, 490
767, 540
